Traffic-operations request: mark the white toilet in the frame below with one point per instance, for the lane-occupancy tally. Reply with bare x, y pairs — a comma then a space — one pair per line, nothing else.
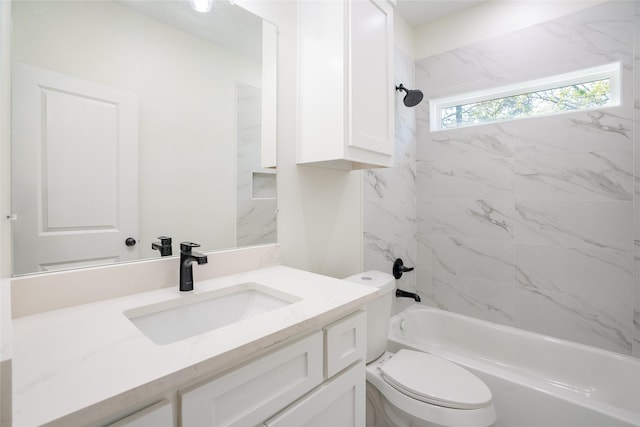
412, 388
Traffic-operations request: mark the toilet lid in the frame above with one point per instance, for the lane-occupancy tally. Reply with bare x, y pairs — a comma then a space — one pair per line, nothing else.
434, 380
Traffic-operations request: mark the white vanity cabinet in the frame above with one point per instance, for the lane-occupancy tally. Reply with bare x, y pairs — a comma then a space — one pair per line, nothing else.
339, 402
157, 415
303, 383
345, 84
308, 353
345, 343
248, 395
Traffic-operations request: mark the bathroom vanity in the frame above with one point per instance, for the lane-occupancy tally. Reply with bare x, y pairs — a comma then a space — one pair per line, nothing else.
296, 359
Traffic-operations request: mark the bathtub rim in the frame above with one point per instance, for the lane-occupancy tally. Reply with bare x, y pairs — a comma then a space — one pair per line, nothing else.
502, 327
397, 341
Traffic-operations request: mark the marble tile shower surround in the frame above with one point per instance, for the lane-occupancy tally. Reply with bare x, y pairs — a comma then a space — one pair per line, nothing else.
534, 222
389, 211
256, 217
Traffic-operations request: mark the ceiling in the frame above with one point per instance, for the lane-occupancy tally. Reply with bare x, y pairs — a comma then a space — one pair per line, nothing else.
219, 26
419, 12
215, 26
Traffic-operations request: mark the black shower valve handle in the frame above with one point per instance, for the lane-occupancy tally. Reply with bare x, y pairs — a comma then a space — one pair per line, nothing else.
399, 268
406, 269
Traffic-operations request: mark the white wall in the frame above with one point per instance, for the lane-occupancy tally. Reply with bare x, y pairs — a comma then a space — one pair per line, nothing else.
319, 219
404, 36
5, 224
5, 140
489, 19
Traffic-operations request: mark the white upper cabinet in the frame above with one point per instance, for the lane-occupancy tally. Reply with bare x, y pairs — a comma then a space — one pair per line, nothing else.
345, 83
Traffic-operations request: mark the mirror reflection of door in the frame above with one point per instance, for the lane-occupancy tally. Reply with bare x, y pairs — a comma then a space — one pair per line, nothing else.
75, 146
183, 66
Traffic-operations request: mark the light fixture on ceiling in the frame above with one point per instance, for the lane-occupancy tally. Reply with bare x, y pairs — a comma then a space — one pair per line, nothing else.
203, 6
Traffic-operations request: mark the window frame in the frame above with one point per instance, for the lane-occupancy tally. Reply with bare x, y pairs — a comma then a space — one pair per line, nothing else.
608, 71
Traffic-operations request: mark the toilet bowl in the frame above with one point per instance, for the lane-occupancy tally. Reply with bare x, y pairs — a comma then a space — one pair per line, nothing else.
412, 388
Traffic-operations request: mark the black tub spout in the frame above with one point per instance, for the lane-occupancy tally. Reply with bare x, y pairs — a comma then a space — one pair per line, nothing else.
404, 294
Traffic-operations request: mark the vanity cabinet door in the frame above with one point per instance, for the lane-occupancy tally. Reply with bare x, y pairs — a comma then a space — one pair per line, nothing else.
339, 402
345, 343
345, 84
249, 394
158, 415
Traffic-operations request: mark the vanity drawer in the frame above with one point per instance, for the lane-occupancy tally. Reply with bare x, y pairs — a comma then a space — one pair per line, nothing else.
345, 342
157, 415
253, 392
338, 402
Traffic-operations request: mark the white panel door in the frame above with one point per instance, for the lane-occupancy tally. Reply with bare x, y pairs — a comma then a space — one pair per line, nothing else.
75, 171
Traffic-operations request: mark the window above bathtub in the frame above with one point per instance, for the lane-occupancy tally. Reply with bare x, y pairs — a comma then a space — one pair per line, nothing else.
590, 88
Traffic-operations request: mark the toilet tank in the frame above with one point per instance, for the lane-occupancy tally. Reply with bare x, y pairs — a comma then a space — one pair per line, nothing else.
378, 310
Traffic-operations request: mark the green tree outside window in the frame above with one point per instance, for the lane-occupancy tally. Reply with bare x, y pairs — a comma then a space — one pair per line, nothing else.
567, 98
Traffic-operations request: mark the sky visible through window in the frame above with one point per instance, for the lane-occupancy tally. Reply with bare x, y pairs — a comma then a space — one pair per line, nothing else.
561, 99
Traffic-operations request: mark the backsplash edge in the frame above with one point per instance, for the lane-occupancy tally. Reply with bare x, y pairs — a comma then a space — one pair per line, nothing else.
38, 293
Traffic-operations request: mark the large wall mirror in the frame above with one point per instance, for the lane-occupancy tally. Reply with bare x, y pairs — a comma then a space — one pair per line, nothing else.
138, 119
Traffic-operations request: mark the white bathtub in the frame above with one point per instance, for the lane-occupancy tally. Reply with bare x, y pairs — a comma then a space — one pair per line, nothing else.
536, 380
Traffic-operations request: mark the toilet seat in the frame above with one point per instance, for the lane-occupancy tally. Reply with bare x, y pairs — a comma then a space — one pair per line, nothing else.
431, 413
434, 380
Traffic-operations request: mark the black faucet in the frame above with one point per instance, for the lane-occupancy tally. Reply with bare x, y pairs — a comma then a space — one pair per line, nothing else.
164, 246
186, 259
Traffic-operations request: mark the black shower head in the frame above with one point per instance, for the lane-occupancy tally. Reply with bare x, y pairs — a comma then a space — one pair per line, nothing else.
412, 98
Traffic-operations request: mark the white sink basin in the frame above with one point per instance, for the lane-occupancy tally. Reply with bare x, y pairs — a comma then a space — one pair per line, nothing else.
195, 314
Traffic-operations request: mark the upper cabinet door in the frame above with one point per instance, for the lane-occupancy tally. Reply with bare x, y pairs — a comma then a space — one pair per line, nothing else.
371, 78
345, 84
269, 94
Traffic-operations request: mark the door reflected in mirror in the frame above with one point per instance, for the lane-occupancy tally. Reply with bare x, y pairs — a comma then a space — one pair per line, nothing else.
138, 119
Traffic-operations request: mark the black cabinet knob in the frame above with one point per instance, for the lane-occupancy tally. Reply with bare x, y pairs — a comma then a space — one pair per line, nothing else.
130, 241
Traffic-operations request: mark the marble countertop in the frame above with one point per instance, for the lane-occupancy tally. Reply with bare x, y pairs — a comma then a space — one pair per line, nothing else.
84, 361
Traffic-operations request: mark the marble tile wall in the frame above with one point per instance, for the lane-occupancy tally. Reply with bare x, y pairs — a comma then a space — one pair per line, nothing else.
256, 207
530, 223
389, 194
